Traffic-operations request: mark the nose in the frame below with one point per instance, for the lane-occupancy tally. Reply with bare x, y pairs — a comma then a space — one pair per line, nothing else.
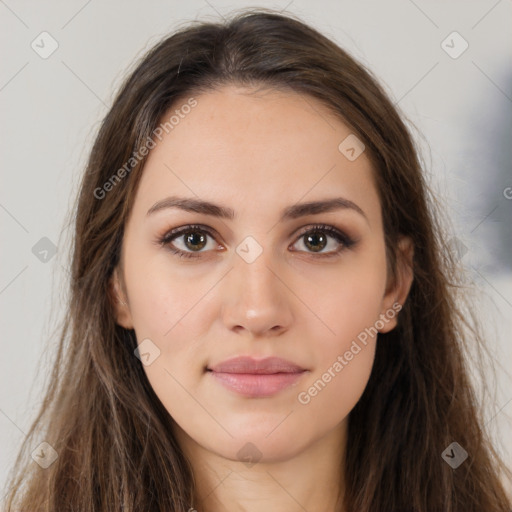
257, 299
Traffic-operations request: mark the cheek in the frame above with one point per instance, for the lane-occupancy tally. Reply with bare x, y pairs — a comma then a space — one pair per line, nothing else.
335, 389
163, 299
350, 306
170, 312
350, 302
172, 309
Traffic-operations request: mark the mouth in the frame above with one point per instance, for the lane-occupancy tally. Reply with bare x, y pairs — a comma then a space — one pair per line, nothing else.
256, 378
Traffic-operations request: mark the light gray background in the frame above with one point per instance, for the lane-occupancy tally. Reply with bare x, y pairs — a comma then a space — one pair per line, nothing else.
51, 109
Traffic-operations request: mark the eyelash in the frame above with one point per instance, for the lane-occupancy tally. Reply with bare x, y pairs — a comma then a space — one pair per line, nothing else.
338, 235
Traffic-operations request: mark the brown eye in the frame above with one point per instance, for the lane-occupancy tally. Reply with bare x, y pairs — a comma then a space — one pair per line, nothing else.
188, 241
315, 240
195, 240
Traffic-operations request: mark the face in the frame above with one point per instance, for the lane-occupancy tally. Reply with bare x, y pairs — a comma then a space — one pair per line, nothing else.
256, 307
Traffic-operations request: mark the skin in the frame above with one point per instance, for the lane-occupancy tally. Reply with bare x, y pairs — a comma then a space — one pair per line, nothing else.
258, 153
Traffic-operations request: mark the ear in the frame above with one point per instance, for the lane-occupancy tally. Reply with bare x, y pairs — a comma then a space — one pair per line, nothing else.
398, 289
119, 301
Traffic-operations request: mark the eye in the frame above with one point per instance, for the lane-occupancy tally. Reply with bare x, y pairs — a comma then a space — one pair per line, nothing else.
316, 238
187, 240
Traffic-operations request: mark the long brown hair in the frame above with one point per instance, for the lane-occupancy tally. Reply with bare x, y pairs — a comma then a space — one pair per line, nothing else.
110, 431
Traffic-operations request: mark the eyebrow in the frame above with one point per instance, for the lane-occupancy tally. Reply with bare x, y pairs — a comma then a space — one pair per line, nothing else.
291, 212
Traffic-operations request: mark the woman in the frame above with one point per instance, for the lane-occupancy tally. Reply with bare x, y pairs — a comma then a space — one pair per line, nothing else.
262, 310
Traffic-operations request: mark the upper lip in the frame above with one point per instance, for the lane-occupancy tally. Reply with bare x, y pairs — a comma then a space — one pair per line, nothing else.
248, 365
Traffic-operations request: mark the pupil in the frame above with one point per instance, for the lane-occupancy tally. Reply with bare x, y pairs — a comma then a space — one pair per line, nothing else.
313, 237
192, 243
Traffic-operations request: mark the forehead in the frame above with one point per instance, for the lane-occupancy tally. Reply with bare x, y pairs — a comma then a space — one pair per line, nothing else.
241, 147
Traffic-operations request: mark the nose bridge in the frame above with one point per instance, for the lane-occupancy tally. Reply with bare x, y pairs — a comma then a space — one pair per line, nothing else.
257, 298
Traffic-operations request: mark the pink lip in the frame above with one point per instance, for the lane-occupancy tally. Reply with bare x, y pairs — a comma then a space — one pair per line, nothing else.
257, 377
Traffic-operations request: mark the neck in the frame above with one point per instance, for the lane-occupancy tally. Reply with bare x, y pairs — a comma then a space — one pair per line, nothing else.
309, 480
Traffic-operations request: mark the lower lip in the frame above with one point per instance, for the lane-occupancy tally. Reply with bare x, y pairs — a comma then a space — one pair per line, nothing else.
257, 385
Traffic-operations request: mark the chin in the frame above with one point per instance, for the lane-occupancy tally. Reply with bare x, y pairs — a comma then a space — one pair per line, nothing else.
263, 444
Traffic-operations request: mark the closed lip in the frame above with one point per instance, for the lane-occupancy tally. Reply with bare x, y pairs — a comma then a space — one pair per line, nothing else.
249, 365
256, 378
